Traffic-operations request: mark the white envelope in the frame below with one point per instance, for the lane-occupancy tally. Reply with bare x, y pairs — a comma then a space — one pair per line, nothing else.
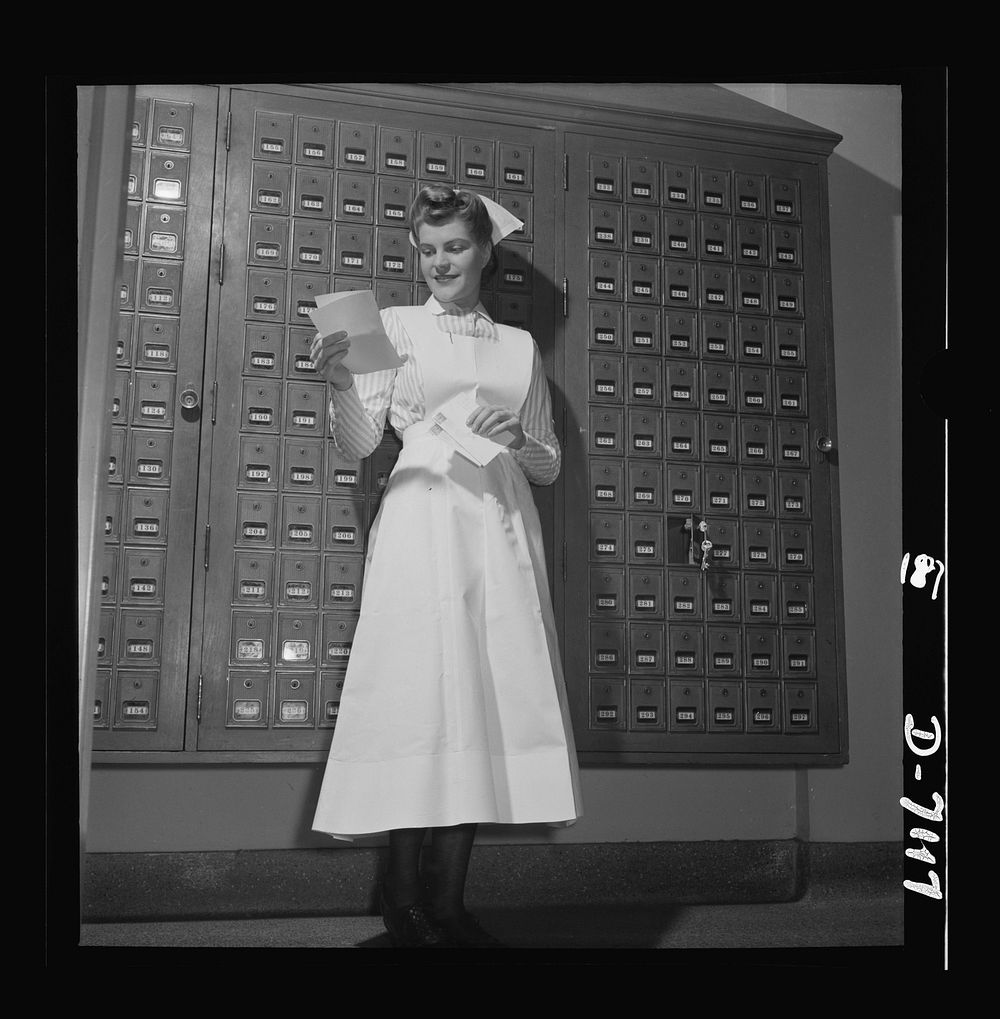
356, 313
451, 417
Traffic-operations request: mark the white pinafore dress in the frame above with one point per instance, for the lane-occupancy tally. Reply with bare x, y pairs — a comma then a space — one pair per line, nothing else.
454, 704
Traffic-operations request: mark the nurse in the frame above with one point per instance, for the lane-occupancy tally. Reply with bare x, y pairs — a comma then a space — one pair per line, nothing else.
454, 709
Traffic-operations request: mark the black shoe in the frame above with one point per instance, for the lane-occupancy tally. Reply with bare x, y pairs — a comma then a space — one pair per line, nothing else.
413, 926
466, 932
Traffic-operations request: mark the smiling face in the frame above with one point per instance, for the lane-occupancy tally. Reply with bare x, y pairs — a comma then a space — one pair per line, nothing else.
452, 262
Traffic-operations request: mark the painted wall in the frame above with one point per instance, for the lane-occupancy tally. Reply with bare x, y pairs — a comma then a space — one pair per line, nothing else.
270, 807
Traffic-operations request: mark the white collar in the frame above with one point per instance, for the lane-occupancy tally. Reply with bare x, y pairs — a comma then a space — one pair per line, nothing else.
433, 305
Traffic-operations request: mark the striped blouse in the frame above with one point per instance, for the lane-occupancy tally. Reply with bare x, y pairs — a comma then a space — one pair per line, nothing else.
358, 414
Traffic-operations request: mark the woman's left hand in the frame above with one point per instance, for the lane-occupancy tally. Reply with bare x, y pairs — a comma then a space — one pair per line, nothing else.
491, 420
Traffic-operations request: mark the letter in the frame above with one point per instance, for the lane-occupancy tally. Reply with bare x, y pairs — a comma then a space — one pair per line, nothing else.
923, 853
925, 812
920, 734
933, 890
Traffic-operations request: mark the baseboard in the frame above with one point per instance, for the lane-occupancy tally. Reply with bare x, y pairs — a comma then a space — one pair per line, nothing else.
118, 887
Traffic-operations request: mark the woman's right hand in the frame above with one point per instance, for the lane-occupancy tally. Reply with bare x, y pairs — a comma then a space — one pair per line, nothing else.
328, 353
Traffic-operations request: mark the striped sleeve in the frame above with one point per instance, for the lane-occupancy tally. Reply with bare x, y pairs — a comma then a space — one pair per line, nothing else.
540, 458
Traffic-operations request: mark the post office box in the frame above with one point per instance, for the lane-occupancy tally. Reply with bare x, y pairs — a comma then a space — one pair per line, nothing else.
475, 162
311, 246
301, 521
606, 177
394, 200
643, 180
793, 443
687, 707
684, 594
606, 430
160, 288
393, 294
643, 276
605, 326
755, 390
270, 189
759, 545
437, 156
250, 639
678, 186
123, 345
521, 206
163, 231
253, 578
345, 527
756, 440
133, 228
607, 537
724, 655
718, 387
797, 600
684, 488
261, 406
790, 393
396, 151
607, 647
381, 464
681, 387
787, 294
751, 243
338, 637
717, 336
643, 330
258, 462
127, 283
761, 651
789, 344
720, 438
356, 147
140, 122
109, 575
749, 194
645, 539
355, 201
754, 341
716, 290
272, 136
157, 343
800, 700
136, 699
646, 648
343, 284
605, 276
295, 642
798, 653
294, 696
725, 706
680, 235
643, 230
515, 273
167, 178
102, 706
135, 183
683, 436
607, 703
752, 291
146, 516
515, 166
720, 490
794, 498
714, 190
299, 363
680, 285
302, 467
796, 546
607, 489
645, 432
343, 579
722, 596
685, 650
265, 295
725, 538
139, 637
681, 330
112, 507
331, 689
106, 637
644, 382
248, 699
513, 310
605, 379
607, 591
344, 475
121, 389
646, 705
784, 199
305, 408
758, 491
760, 598
715, 238
150, 457
256, 519
314, 141
353, 249
762, 711
786, 246
645, 597
393, 253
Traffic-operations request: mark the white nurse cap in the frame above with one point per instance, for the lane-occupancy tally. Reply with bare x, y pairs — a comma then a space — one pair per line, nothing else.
504, 222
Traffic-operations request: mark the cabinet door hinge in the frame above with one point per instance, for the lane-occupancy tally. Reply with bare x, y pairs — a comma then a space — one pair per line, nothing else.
564, 561
201, 680
565, 296
565, 413
208, 543
222, 262
229, 128
215, 398
565, 171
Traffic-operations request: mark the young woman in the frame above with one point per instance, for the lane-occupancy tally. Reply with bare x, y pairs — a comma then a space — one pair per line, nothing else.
454, 708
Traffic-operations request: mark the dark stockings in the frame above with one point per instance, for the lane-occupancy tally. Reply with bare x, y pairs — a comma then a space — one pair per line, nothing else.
445, 870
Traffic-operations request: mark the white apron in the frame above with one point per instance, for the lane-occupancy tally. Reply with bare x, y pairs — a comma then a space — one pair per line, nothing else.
454, 705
